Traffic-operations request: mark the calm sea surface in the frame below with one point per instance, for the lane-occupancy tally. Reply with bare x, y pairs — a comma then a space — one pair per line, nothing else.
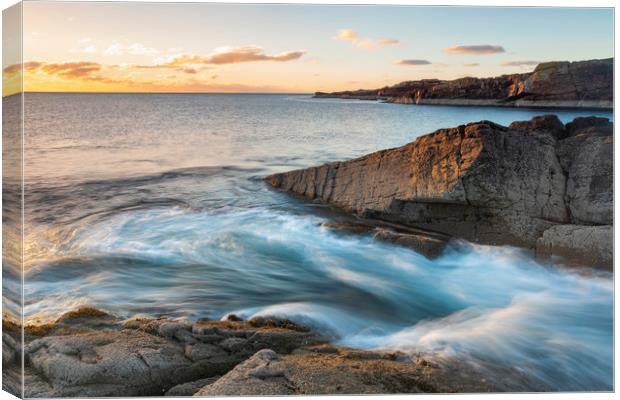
154, 205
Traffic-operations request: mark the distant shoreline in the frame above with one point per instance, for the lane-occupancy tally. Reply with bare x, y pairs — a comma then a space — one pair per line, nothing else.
571, 85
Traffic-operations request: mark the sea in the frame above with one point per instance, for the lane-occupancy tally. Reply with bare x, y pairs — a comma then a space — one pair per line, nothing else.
155, 205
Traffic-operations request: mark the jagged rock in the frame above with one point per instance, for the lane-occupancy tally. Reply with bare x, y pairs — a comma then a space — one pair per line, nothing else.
92, 359
579, 84
339, 371
482, 182
87, 353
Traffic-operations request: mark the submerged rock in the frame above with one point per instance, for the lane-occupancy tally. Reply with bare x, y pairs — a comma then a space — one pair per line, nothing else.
482, 182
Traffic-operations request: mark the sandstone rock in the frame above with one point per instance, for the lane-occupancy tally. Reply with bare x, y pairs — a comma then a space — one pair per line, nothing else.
481, 182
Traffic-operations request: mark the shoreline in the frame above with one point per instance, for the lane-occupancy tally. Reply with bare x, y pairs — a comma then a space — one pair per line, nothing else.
563, 84
88, 352
532, 105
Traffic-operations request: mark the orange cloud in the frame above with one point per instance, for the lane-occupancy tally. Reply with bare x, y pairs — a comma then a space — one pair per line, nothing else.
228, 56
351, 36
79, 69
474, 49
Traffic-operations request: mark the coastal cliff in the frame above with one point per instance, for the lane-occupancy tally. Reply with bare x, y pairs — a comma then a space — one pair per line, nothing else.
582, 84
538, 184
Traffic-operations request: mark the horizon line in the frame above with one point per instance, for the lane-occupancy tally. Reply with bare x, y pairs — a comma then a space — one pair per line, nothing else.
150, 92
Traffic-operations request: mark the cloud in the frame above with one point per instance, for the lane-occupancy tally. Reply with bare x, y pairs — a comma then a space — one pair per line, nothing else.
115, 49
411, 62
474, 49
139, 49
136, 49
70, 70
347, 34
78, 69
228, 55
519, 63
249, 54
351, 36
90, 49
190, 70
471, 64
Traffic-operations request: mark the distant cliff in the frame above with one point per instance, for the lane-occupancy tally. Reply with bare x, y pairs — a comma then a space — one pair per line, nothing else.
537, 184
581, 84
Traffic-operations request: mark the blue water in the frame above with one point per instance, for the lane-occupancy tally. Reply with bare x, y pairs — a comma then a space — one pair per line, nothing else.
154, 205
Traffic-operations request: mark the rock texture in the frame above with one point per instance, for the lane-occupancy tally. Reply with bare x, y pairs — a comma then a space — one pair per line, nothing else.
485, 183
91, 355
88, 353
582, 84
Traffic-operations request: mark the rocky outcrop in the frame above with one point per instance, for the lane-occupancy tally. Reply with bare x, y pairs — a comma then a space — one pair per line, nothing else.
96, 355
485, 183
336, 370
582, 84
93, 354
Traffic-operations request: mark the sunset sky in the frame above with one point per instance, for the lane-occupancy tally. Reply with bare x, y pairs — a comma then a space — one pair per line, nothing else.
144, 47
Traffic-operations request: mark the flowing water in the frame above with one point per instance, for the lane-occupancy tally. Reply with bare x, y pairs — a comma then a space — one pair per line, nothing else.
148, 204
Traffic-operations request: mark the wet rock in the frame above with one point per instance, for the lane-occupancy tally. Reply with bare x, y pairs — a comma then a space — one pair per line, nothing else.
428, 246
338, 371
190, 388
578, 244
481, 182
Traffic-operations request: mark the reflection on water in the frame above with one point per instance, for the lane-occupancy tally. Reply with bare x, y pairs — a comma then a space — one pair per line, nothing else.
154, 205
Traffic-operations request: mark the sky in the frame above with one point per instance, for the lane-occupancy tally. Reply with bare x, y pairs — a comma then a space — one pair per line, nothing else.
174, 47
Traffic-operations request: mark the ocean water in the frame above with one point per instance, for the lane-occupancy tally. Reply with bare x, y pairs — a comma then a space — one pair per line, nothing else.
148, 204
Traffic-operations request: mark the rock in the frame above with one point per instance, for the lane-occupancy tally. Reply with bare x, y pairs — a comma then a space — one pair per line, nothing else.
203, 351
341, 371
579, 244
428, 246
190, 388
482, 182
85, 356
253, 377
582, 84
125, 360
109, 363
587, 159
